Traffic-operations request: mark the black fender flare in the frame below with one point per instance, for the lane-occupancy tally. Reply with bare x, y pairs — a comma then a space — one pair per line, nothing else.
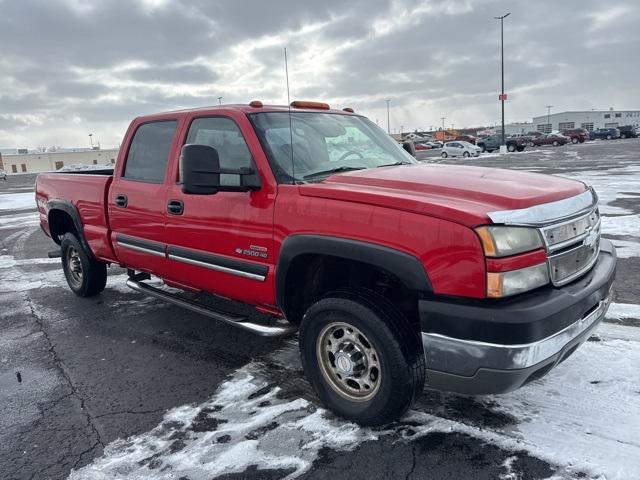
406, 267
70, 209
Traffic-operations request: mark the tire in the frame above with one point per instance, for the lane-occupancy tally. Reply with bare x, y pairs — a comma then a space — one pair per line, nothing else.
511, 148
531, 144
520, 148
85, 275
444, 155
395, 378
574, 140
466, 154
624, 135
555, 143
608, 137
483, 148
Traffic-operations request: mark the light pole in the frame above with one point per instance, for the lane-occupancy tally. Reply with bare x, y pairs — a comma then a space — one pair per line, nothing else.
548, 107
388, 121
219, 100
502, 65
91, 140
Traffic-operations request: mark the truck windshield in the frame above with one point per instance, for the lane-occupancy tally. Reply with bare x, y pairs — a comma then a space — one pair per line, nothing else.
323, 144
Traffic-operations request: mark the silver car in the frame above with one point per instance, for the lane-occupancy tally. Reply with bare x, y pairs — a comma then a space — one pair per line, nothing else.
460, 149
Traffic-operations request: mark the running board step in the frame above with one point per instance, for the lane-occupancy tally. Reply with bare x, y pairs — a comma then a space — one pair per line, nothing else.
280, 329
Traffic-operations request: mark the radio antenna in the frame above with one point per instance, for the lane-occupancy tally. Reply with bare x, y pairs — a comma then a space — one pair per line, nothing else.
286, 73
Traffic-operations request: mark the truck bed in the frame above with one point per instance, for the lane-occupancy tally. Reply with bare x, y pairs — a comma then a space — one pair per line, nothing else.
86, 193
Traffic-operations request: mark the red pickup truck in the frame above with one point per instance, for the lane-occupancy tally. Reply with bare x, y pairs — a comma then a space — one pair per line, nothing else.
392, 271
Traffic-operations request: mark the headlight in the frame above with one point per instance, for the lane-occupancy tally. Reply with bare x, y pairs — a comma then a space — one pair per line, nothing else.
505, 284
505, 241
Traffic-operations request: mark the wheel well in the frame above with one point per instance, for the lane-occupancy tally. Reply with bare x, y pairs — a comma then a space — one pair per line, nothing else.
310, 276
60, 222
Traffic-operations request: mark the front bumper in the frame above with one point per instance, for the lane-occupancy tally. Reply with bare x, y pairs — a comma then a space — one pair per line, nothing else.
487, 347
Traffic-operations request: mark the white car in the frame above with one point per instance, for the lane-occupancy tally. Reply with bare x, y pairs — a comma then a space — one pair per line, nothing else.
3, 175
460, 149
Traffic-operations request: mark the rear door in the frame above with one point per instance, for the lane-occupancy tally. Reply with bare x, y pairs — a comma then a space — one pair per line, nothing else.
137, 196
223, 243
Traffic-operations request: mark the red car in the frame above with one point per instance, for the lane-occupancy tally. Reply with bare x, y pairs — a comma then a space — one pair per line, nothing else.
550, 139
577, 135
422, 147
478, 280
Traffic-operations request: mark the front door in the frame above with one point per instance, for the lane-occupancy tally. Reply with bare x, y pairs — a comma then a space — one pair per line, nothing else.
137, 198
222, 243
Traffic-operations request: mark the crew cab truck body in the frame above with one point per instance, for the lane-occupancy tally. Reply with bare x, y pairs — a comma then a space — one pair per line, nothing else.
479, 280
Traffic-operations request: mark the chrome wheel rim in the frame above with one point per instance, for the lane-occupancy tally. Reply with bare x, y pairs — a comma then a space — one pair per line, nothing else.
349, 362
74, 266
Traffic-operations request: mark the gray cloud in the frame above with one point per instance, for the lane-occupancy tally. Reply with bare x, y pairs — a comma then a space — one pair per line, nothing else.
73, 66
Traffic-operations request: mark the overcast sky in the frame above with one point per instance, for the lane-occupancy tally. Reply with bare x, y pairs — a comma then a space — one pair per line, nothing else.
73, 67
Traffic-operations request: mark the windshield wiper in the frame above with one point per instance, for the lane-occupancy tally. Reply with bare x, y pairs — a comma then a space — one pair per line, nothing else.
393, 164
331, 171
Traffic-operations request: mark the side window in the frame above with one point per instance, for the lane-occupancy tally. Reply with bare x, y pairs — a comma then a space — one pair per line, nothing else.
149, 151
224, 135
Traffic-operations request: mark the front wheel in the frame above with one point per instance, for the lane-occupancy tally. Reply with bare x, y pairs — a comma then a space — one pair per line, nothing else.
608, 137
483, 148
466, 154
85, 275
574, 140
531, 144
363, 358
444, 155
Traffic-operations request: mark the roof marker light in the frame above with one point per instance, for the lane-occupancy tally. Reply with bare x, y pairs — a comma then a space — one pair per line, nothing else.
348, 109
306, 104
255, 104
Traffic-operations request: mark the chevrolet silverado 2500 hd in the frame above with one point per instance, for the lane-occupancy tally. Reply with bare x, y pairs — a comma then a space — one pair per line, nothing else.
393, 271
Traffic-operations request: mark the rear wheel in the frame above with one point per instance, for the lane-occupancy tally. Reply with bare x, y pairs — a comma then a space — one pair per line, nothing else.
362, 356
574, 140
608, 137
624, 135
531, 144
444, 155
511, 148
85, 275
555, 143
483, 148
520, 148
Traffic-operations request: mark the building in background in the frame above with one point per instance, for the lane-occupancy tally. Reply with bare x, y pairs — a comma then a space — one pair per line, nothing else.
516, 128
589, 120
49, 161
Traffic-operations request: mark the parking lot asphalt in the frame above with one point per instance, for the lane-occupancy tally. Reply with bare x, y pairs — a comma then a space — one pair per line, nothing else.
123, 386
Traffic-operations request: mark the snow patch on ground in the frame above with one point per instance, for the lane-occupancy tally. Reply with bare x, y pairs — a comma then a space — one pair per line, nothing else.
19, 221
17, 201
610, 185
623, 225
626, 249
620, 311
246, 422
581, 417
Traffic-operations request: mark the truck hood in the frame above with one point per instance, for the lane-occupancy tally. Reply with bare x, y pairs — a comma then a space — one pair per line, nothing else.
462, 194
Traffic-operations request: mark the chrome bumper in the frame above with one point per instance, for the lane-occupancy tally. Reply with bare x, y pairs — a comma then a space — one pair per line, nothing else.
465, 357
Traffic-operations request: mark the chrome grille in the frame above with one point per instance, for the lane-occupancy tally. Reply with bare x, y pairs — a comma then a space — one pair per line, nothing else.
573, 247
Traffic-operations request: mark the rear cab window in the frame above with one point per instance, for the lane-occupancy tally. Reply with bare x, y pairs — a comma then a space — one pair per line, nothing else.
149, 151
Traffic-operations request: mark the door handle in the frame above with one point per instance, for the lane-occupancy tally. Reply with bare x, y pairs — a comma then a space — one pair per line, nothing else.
175, 207
121, 201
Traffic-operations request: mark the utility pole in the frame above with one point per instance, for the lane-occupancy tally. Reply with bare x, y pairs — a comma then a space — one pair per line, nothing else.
502, 96
388, 121
443, 119
219, 100
548, 107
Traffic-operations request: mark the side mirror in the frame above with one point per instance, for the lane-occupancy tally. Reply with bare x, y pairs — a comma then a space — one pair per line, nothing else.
199, 169
200, 172
410, 147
